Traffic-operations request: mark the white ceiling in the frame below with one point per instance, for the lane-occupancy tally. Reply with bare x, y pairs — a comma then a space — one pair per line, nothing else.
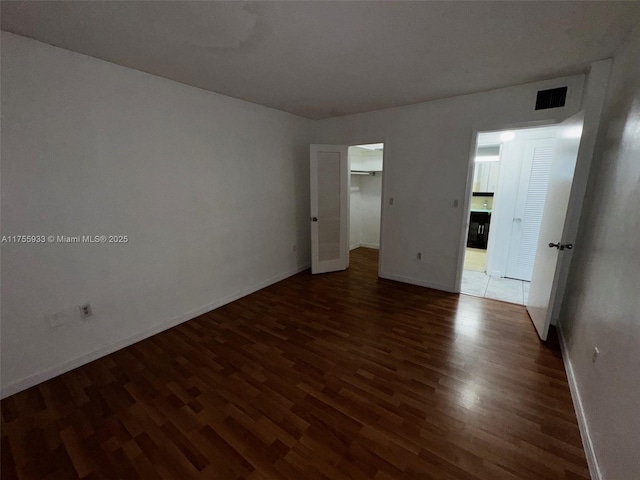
326, 59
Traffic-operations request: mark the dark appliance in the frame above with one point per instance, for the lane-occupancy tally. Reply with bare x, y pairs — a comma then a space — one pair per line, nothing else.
479, 230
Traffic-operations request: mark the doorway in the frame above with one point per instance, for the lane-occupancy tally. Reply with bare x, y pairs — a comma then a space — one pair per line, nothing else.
333, 170
508, 192
365, 195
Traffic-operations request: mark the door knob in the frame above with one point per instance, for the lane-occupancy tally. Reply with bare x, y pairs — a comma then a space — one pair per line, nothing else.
314, 219
559, 246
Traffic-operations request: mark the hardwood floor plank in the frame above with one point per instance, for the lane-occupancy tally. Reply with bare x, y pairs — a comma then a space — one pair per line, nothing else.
334, 376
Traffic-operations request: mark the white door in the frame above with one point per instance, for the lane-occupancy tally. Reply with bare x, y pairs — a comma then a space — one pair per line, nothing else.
329, 208
532, 191
548, 258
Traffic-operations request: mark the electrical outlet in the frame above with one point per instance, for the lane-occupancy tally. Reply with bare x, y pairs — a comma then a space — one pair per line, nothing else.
419, 256
596, 352
455, 203
295, 248
85, 310
390, 200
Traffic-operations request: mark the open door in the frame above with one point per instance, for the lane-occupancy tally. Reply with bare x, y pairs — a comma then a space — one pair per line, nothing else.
329, 208
551, 250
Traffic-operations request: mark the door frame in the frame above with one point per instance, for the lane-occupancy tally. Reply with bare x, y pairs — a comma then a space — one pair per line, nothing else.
593, 98
366, 141
464, 227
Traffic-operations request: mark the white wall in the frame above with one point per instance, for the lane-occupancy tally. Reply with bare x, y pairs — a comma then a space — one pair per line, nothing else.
213, 193
365, 160
366, 194
428, 151
355, 214
370, 198
602, 306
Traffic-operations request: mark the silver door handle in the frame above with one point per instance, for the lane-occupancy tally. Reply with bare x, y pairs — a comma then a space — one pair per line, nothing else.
517, 219
561, 246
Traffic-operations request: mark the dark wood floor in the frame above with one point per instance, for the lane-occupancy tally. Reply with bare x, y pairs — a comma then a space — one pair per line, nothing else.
335, 376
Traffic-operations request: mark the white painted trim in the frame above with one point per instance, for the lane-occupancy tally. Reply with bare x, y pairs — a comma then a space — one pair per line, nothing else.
101, 352
592, 461
365, 245
383, 190
420, 283
465, 205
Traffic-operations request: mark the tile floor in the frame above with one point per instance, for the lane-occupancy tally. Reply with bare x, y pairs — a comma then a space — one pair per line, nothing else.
475, 259
505, 289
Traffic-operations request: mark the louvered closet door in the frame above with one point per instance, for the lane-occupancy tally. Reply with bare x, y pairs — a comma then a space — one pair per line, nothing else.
532, 192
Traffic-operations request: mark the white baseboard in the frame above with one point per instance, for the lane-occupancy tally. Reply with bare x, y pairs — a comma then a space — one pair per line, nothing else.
420, 283
592, 461
365, 245
56, 370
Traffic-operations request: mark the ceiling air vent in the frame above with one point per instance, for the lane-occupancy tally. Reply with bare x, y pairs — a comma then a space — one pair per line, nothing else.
552, 98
